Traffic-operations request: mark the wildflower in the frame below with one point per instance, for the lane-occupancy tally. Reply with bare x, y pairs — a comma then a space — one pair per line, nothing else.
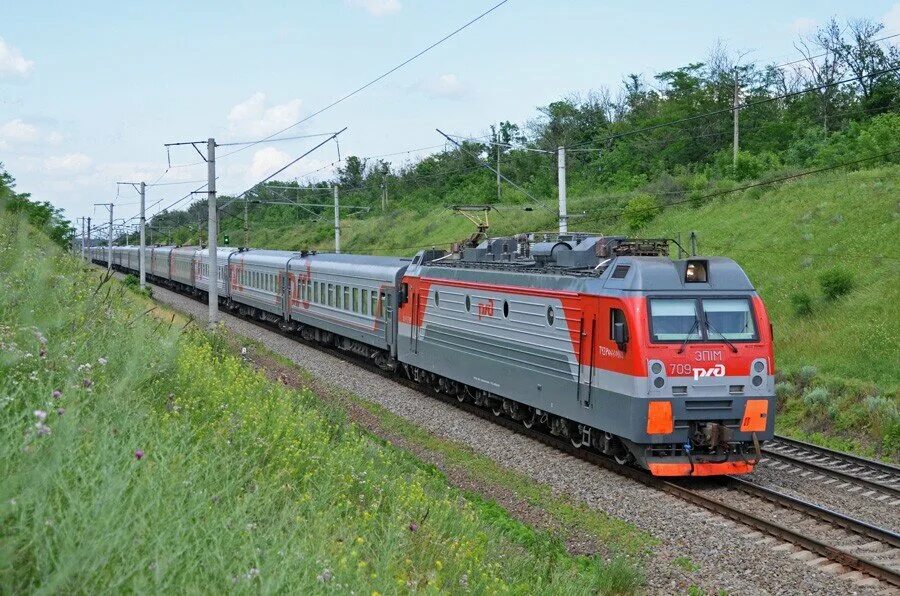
138, 454
40, 415
42, 429
43, 353
413, 527
60, 411
325, 576
464, 580
253, 572
243, 351
57, 394
102, 361
87, 383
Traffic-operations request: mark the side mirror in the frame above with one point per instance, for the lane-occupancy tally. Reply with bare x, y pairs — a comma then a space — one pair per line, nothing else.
403, 294
620, 336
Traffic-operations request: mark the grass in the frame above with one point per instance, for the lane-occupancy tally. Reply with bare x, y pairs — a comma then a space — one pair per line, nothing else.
138, 457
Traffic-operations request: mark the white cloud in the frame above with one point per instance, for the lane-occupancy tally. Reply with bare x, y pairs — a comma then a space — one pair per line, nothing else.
377, 8
804, 26
71, 163
12, 62
17, 131
254, 118
447, 86
891, 20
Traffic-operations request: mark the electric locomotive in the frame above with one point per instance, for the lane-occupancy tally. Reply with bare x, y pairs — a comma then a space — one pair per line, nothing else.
606, 341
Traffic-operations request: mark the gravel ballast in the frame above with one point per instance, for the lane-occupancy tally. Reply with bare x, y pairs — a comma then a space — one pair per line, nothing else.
730, 556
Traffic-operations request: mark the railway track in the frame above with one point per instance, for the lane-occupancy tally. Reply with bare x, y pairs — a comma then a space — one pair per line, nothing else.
865, 477
819, 534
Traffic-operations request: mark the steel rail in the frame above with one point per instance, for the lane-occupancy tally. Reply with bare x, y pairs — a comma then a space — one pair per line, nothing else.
671, 487
823, 469
878, 466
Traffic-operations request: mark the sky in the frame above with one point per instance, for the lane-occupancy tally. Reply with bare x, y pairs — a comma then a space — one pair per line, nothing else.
90, 91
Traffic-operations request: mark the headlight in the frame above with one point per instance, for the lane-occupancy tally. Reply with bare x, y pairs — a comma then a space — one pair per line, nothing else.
696, 272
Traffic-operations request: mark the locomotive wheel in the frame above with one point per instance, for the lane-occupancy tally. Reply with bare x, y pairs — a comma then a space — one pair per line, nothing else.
530, 418
623, 456
497, 407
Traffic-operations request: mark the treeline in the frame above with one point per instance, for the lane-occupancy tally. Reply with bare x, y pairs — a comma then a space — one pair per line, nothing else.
838, 103
42, 215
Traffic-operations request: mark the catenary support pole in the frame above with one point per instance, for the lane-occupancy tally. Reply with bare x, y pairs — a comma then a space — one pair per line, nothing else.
143, 225
212, 240
90, 256
497, 140
82, 238
246, 224
561, 173
337, 222
737, 111
109, 255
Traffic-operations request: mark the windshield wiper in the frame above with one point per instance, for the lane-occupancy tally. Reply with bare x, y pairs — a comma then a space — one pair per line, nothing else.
688, 336
709, 325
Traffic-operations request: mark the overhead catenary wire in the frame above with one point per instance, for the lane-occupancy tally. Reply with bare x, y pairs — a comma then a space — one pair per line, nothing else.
489, 167
373, 81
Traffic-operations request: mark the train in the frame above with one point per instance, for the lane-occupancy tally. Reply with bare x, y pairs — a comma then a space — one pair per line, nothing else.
661, 362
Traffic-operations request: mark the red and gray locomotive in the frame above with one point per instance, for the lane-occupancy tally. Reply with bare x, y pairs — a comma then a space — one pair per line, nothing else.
607, 341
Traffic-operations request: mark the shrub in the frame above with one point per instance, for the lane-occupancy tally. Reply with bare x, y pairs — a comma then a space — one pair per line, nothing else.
640, 211
816, 398
808, 373
802, 303
836, 283
783, 391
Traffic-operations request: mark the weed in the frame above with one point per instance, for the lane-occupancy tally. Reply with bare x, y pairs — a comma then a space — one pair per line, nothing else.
836, 283
802, 303
686, 564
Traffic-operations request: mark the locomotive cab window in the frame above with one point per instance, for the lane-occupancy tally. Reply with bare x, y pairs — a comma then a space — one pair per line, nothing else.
729, 318
674, 319
618, 326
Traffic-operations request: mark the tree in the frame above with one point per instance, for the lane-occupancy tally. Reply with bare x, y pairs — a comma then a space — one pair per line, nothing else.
352, 174
41, 215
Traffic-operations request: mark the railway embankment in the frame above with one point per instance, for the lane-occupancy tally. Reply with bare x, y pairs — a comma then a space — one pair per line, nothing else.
692, 550
141, 454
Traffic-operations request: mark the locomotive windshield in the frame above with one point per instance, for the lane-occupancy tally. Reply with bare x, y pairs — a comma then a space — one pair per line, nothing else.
696, 319
674, 319
728, 318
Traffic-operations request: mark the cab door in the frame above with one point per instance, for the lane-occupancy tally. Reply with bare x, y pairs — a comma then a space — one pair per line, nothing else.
585, 352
